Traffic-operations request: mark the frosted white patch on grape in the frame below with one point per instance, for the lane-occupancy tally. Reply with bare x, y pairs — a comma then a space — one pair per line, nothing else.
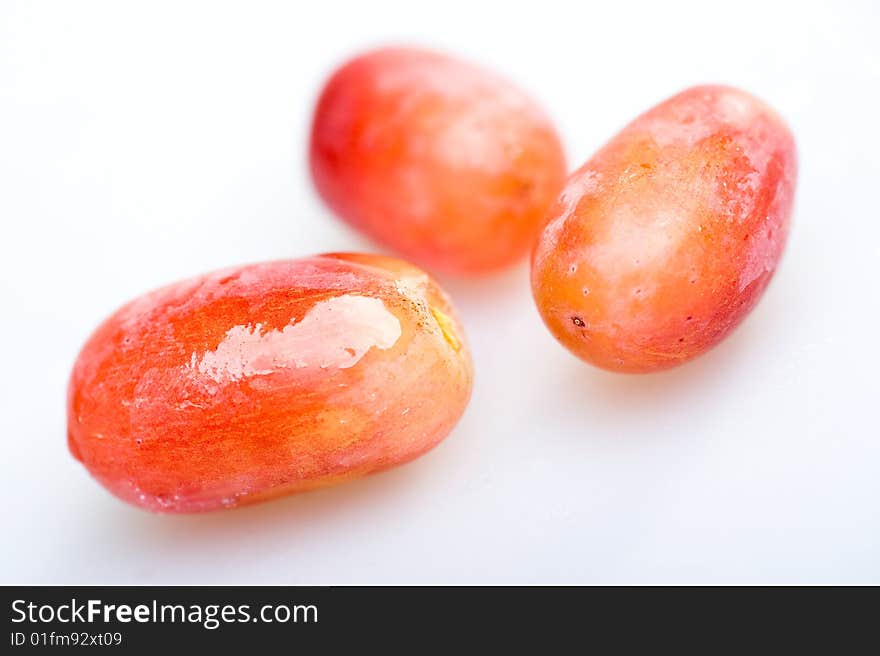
334, 333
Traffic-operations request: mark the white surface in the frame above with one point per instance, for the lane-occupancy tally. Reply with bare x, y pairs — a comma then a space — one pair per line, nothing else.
143, 143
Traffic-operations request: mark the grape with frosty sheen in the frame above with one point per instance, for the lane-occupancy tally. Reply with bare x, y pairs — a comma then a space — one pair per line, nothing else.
445, 163
663, 242
267, 379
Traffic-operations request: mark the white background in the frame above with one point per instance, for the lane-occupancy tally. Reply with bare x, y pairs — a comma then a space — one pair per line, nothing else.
141, 143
